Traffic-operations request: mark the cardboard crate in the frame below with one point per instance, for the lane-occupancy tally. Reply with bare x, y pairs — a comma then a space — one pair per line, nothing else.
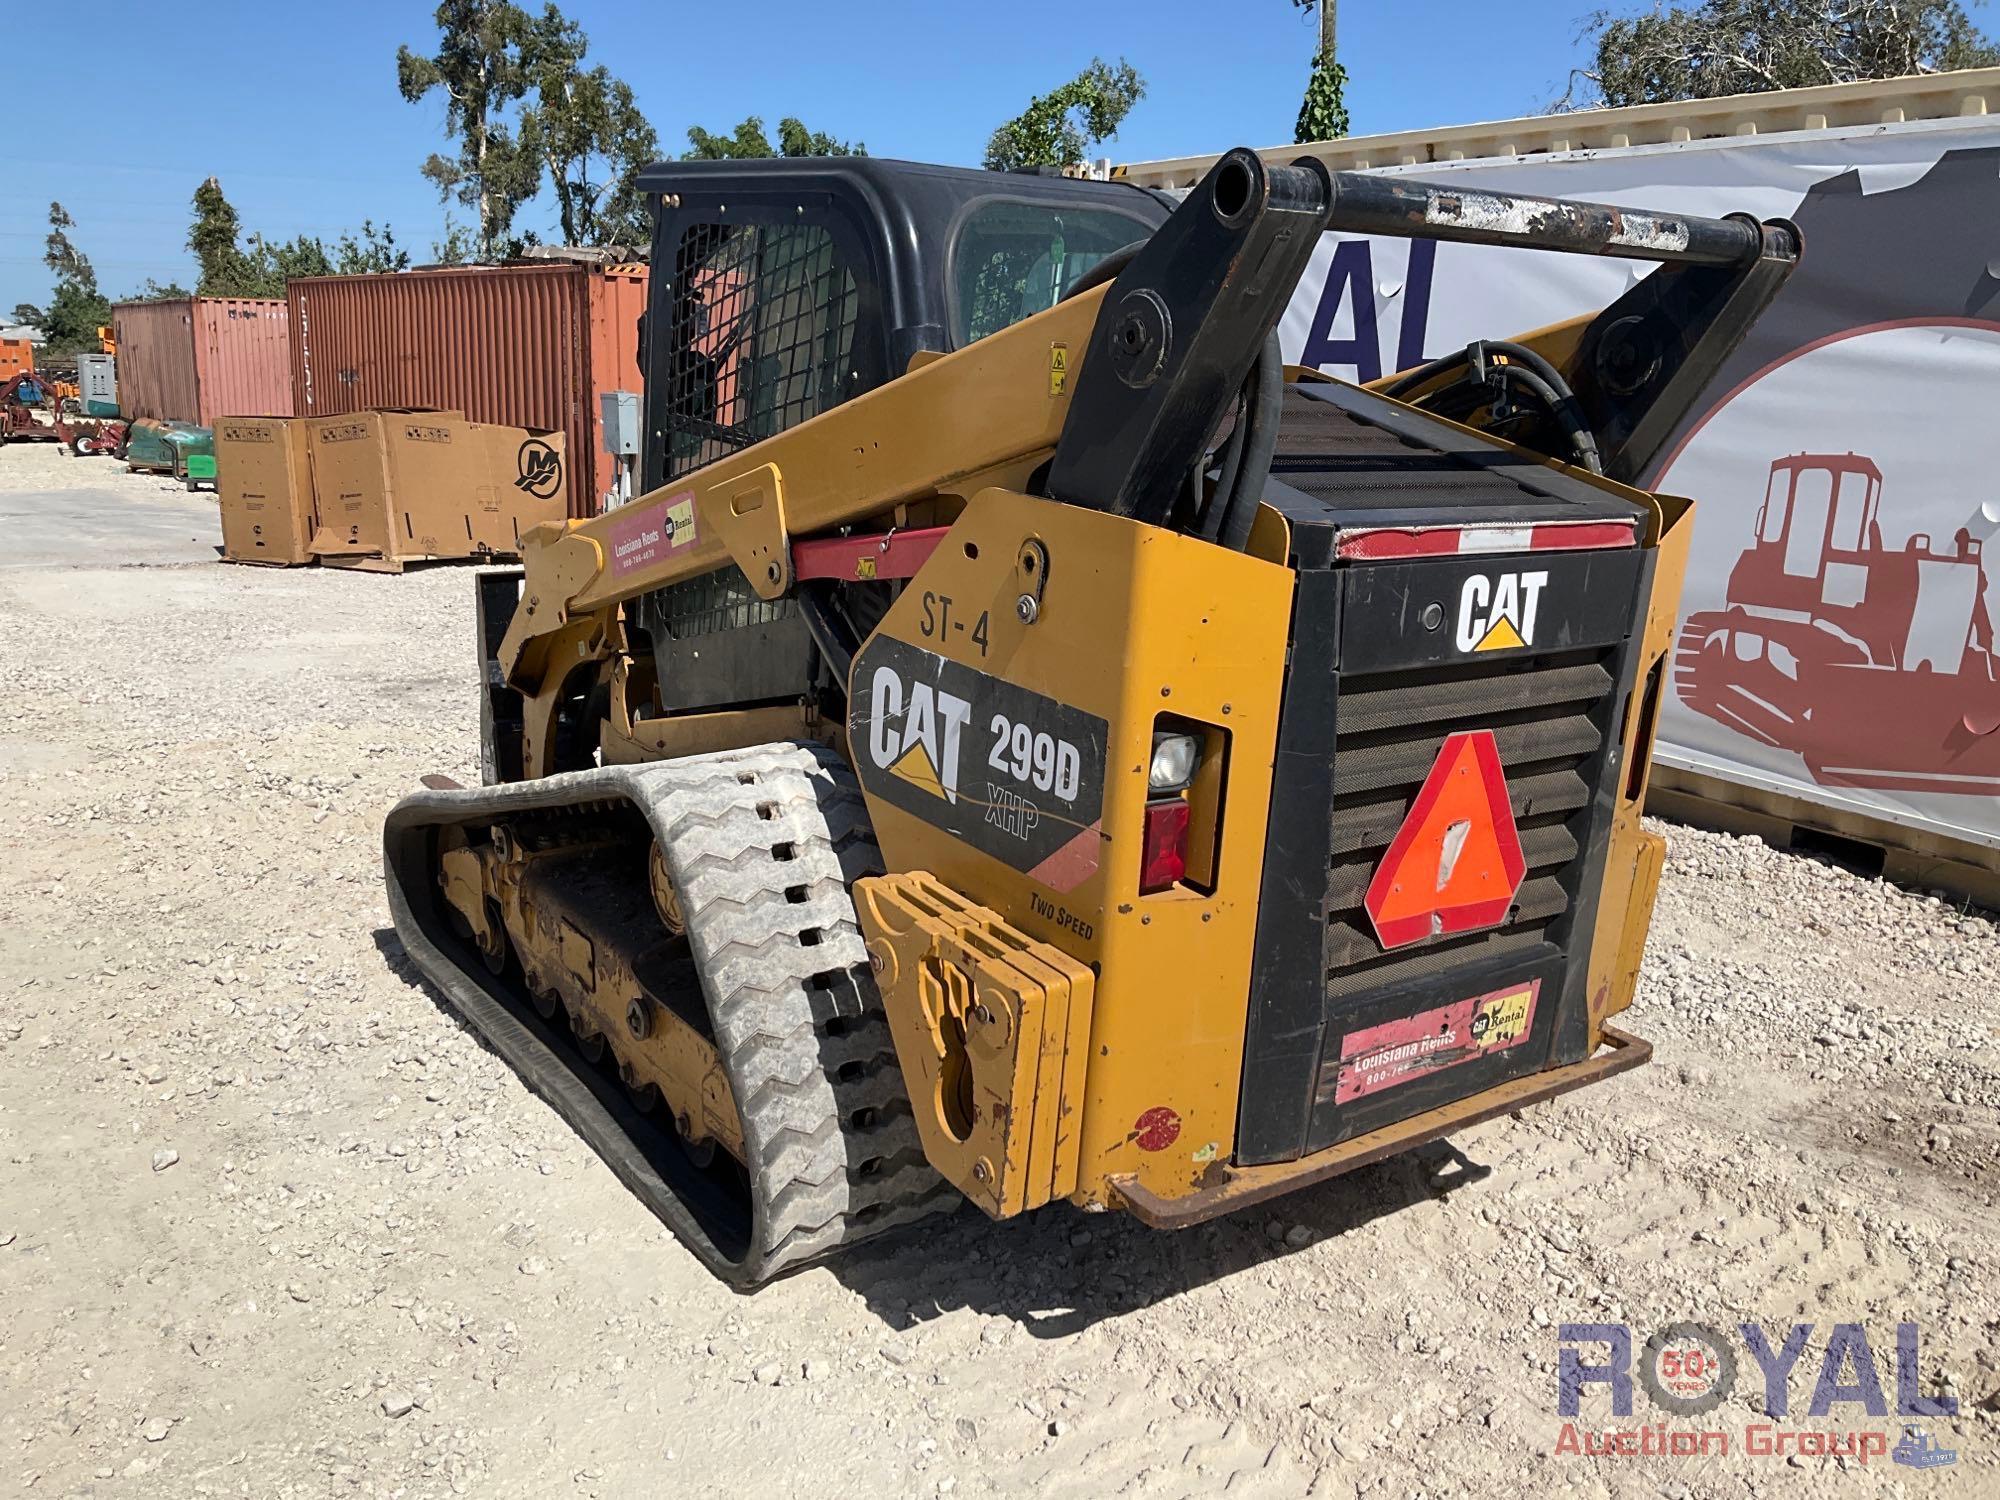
395, 487
523, 481
263, 480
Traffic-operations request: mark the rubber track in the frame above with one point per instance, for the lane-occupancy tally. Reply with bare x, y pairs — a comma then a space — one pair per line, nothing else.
763, 845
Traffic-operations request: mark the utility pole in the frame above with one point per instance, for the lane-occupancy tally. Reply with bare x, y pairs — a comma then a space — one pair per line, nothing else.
1323, 115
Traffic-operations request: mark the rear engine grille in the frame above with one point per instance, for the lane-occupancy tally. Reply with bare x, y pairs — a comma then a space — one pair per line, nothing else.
1380, 673
1344, 459
1548, 716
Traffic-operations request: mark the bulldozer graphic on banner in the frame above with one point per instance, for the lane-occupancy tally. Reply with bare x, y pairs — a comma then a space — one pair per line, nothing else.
1875, 663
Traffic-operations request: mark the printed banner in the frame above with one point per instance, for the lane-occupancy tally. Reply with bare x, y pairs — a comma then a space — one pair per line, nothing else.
1837, 636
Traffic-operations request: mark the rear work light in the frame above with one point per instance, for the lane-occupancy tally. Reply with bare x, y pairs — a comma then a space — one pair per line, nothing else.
1174, 759
1163, 858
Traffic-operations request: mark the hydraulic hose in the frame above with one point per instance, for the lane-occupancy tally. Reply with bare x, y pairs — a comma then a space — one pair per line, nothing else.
1230, 460
1264, 404
1444, 363
1527, 369
1460, 401
827, 631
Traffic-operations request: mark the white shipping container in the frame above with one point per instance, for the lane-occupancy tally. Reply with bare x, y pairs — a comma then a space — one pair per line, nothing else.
1837, 662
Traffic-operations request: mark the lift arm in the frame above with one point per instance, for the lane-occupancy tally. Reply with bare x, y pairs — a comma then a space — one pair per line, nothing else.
1151, 362
1120, 388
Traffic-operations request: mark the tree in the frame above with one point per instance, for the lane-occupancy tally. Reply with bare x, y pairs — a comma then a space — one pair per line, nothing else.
1059, 128
372, 252
1323, 114
231, 267
585, 127
77, 309
275, 262
795, 140
27, 312
480, 70
222, 268
154, 291
456, 248
1719, 47
60, 254
748, 141
72, 318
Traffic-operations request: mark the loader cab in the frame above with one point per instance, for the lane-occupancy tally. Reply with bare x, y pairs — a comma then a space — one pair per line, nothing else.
1817, 542
1819, 505
783, 287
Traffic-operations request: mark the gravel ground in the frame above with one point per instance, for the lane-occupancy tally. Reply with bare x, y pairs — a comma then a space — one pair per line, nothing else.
272, 1223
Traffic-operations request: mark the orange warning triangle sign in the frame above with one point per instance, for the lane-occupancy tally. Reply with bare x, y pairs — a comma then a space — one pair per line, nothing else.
1456, 863
915, 767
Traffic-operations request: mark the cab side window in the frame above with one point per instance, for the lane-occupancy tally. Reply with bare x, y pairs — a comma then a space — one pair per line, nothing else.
760, 337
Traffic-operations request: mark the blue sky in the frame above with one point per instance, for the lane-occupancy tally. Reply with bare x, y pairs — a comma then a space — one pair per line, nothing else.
295, 107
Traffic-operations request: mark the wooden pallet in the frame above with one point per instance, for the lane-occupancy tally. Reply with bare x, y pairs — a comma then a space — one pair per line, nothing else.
1875, 845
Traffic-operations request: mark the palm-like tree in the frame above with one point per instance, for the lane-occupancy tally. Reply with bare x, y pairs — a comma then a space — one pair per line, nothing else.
1323, 115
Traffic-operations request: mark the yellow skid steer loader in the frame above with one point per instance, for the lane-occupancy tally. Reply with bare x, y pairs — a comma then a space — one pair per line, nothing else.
1026, 743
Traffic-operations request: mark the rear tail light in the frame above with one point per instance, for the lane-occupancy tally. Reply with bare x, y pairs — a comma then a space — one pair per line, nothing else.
1163, 860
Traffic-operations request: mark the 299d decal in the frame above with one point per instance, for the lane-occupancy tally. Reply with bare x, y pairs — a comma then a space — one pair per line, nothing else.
1034, 755
1013, 773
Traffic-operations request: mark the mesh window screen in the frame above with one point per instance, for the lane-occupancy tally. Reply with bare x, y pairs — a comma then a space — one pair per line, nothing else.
762, 336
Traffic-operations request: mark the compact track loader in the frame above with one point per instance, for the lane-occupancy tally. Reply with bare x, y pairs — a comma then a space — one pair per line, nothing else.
1026, 743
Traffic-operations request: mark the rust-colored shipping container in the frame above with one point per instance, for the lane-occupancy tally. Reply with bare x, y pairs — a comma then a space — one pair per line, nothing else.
200, 358
156, 375
523, 346
243, 355
617, 303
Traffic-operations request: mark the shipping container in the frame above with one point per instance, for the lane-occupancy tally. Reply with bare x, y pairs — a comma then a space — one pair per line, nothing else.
156, 360
1969, 93
197, 359
616, 306
243, 354
523, 345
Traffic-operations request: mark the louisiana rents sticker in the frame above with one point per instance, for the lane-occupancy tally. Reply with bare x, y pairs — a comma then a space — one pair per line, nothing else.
1383, 1056
650, 533
1008, 771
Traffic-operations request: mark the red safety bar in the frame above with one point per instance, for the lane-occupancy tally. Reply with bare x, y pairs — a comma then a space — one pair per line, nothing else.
888, 554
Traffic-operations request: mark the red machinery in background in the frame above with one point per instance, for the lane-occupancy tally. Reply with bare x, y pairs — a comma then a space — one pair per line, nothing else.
1876, 665
31, 412
27, 409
